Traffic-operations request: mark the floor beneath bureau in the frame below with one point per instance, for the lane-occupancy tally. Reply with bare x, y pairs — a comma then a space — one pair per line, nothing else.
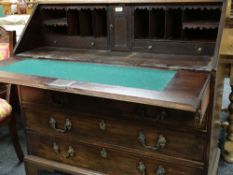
9, 163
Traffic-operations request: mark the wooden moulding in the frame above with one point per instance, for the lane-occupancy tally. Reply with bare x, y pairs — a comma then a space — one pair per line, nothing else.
33, 164
129, 1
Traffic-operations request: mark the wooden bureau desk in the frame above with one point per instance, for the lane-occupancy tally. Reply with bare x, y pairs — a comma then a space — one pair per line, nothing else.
225, 69
119, 88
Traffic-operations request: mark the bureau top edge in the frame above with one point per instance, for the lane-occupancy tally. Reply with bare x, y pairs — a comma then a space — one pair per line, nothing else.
126, 1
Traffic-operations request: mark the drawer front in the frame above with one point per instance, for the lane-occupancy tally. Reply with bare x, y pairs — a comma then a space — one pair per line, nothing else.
38, 166
78, 42
113, 108
92, 43
196, 48
102, 159
142, 137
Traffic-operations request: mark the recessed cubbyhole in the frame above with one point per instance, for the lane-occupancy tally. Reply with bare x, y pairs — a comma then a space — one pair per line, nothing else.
58, 29
56, 22
173, 23
157, 23
200, 35
100, 22
86, 23
55, 19
201, 18
73, 22
202, 14
141, 23
54, 13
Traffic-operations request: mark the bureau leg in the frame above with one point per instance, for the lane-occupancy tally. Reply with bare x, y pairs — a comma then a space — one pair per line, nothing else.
14, 138
228, 146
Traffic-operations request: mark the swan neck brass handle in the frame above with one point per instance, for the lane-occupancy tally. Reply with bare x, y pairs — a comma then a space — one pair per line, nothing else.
67, 126
160, 144
70, 153
56, 148
141, 168
160, 170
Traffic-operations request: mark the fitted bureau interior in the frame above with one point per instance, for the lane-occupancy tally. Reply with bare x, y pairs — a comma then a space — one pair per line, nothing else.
169, 29
159, 22
77, 21
177, 23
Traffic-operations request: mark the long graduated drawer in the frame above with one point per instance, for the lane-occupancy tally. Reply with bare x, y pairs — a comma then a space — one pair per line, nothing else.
105, 160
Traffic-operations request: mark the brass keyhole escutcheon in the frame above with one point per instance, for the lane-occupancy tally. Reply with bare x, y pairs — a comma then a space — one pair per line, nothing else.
104, 153
67, 125
102, 125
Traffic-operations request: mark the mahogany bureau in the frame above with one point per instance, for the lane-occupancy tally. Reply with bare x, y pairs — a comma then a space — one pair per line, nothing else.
119, 88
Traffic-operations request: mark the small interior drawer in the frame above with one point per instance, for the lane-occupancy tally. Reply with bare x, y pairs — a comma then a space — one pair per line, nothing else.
155, 46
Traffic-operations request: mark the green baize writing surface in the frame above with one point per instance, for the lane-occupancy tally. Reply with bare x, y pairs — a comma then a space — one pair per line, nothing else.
126, 76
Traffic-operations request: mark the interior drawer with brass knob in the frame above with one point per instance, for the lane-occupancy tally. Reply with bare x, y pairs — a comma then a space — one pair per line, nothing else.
106, 160
145, 45
143, 137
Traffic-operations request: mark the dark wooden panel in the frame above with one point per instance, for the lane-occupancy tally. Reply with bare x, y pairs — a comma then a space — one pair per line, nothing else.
3, 90
120, 29
34, 35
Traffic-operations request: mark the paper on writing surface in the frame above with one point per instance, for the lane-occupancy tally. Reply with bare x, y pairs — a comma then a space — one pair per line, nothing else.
61, 84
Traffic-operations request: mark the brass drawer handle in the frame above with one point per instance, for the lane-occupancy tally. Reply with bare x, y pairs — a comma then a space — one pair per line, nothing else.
161, 142
141, 168
104, 153
150, 47
67, 125
111, 27
102, 125
92, 44
70, 153
56, 148
160, 170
